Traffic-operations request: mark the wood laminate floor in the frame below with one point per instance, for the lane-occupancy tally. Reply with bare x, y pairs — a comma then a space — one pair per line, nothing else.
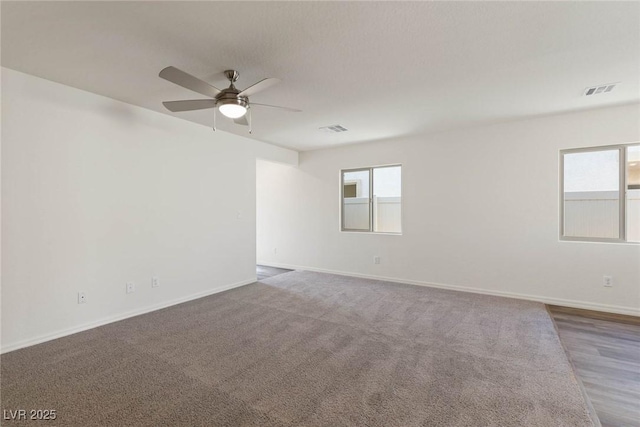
605, 351
264, 272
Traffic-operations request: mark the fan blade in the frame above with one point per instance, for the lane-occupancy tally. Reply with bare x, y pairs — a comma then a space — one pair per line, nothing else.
293, 110
242, 121
258, 87
192, 104
187, 81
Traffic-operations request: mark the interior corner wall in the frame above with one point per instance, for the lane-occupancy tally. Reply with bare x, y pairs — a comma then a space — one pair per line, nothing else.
97, 193
480, 213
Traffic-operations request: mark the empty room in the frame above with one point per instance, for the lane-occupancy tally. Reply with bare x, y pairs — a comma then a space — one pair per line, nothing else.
267, 213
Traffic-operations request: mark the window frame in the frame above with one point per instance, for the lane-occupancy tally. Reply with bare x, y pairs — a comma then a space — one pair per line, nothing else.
370, 197
622, 182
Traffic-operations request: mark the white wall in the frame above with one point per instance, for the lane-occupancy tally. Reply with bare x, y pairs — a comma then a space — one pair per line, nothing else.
96, 193
480, 212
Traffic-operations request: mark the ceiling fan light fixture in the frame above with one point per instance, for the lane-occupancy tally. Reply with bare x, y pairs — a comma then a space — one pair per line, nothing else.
231, 102
232, 108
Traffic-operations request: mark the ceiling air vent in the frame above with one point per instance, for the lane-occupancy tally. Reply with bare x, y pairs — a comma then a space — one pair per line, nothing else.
333, 129
595, 90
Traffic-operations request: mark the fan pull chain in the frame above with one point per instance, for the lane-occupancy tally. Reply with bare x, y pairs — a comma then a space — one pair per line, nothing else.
250, 130
214, 118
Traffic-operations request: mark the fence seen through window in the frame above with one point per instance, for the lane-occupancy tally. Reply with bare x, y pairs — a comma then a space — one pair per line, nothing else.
372, 199
601, 194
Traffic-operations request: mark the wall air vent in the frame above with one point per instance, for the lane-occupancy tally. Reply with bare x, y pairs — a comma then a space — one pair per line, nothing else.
333, 129
596, 90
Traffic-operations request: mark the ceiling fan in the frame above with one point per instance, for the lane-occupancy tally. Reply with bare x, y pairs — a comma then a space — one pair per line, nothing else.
231, 102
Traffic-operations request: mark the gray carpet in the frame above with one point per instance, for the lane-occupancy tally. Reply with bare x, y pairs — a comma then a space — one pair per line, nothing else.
308, 349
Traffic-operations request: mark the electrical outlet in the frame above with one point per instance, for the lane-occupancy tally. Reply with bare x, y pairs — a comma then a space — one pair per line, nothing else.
607, 281
82, 297
155, 282
131, 287
376, 260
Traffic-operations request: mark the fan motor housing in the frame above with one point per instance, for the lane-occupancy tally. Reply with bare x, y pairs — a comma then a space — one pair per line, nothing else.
230, 96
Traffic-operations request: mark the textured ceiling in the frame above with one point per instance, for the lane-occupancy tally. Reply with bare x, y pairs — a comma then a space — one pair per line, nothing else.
382, 70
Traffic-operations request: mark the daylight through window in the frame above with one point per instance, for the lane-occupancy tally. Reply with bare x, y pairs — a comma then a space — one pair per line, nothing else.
372, 199
601, 194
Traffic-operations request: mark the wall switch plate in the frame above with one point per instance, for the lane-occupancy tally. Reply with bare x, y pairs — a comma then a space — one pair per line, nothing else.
82, 297
275, 251
131, 287
376, 260
607, 281
155, 282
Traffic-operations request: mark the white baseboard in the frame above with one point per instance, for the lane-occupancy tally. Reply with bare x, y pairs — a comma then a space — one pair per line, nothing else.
546, 300
104, 321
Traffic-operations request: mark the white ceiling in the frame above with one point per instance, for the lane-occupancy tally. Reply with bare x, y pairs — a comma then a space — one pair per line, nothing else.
382, 70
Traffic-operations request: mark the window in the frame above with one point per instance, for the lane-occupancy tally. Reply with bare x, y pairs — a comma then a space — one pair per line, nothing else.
600, 194
371, 199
